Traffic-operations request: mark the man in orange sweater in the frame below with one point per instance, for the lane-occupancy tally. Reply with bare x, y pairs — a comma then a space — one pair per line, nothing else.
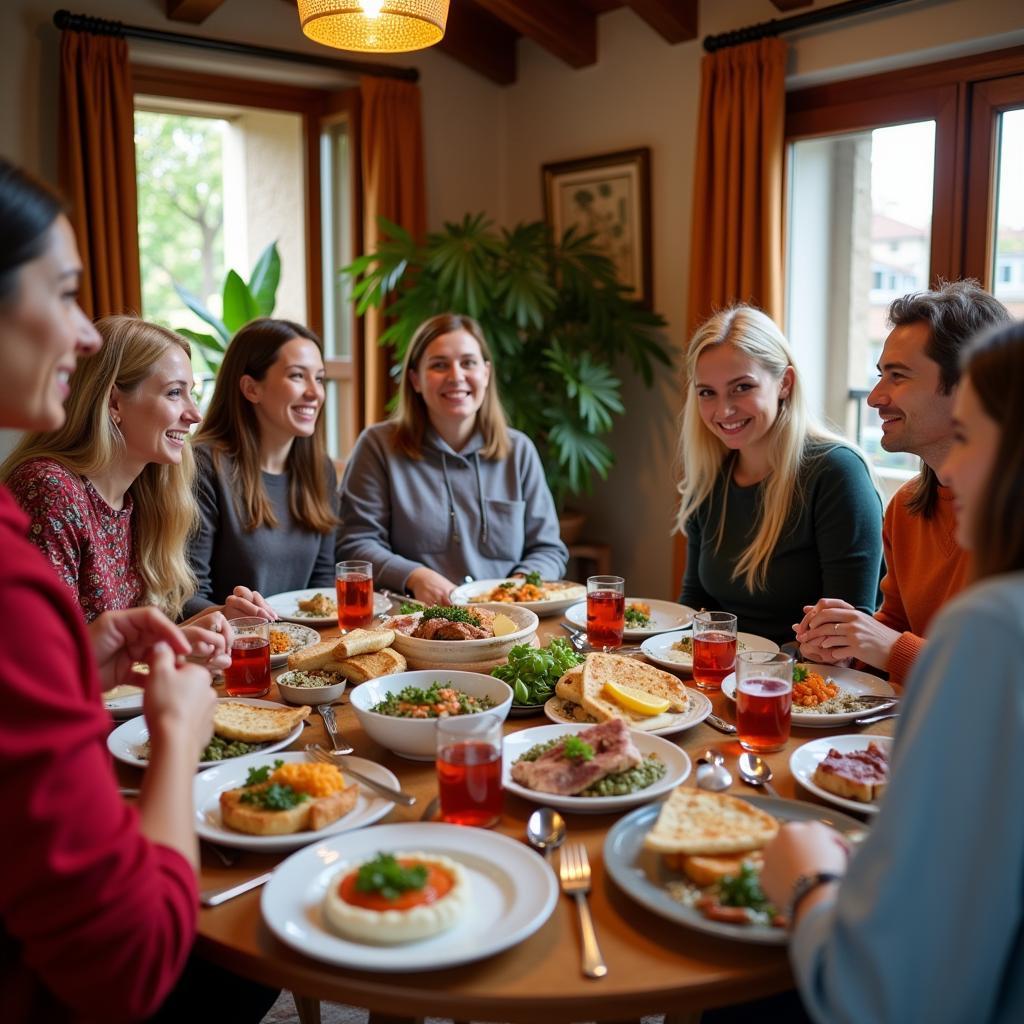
925, 567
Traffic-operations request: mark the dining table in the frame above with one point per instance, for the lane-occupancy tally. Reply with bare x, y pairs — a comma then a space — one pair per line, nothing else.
655, 965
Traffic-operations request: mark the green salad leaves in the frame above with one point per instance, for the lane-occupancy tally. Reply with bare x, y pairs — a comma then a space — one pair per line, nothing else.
385, 875
532, 672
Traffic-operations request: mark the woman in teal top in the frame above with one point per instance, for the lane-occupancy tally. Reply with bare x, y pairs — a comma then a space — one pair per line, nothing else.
773, 505
928, 922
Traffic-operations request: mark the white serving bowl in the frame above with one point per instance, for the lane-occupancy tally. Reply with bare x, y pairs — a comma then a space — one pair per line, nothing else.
470, 655
415, 738
310, 694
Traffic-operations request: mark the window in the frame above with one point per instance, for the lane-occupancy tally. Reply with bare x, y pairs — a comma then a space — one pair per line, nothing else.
1009, 219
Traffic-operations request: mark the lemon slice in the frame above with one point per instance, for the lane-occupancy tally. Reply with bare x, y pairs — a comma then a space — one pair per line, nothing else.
635, 700
503, 625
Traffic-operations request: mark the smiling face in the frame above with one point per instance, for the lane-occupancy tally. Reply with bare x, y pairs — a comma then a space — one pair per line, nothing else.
916, 416
452, 376
156, 417
289, 398
737, 397
968, 467
43, 332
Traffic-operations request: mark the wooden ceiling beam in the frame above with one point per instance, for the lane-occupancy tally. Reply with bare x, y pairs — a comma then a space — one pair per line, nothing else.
481, 42
674, 20
194, 11
564, 28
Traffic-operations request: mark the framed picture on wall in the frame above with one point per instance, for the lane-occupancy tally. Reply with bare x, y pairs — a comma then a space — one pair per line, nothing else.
607, 196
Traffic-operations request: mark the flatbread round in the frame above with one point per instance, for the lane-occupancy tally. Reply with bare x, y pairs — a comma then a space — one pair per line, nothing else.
698, 822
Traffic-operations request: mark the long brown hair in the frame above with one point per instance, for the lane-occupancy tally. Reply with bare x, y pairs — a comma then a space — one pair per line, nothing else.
411, 417
165, 511
231, 428
995, 366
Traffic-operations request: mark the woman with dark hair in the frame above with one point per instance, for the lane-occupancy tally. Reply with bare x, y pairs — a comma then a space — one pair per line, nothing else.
98, 900
445, 489
938, 884
266, 488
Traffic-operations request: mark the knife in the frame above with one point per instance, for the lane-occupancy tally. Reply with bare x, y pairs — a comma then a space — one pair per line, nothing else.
214, 897
721, 725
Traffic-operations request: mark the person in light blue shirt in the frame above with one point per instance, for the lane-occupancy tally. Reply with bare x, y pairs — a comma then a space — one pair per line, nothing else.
926, 922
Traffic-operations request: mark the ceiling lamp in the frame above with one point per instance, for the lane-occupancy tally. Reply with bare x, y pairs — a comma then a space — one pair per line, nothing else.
374, 26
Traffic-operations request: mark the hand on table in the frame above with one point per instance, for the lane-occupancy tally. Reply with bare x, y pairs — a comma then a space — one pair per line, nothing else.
430, 587
210, 638
243, 603
178, 702
120, 638
800, 848
832, 631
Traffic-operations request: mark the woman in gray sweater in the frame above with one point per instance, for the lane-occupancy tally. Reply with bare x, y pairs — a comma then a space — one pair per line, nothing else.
266, 488
445, 489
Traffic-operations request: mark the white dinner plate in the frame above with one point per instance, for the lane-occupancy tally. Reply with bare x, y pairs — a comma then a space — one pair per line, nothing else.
641, 874
674, 759
209, 785
121, 708
287, 606
665, 615
657, 647
476, 593
127, 740
513, 894
807, 757
849, 679
300, 636
660, 725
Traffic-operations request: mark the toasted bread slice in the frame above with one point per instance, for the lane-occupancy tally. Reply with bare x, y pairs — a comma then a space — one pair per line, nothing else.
369, 666
570, 685
704, 871
599, 669
697, 822
312, 814
309, 659
253, 724
363, 641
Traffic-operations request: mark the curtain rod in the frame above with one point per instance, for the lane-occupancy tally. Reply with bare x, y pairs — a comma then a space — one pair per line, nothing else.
775, 27
102, 27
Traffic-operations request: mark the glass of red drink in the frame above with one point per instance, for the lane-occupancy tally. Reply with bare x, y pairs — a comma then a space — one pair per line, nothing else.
248, 675
353, 582
469, 769
764, 700
606, 611
714, 648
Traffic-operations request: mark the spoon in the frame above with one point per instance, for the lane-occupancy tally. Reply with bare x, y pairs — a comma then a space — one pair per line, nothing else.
756, 771
545, 831
711, 771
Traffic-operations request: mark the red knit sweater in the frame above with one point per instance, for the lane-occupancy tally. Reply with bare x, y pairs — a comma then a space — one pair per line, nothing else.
925, 567
96, 922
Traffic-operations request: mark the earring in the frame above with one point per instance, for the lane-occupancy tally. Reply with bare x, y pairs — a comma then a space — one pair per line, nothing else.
116, 419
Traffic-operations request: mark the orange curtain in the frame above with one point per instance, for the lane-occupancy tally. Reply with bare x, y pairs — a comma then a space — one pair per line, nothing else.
97, 167
393, 187
736, 244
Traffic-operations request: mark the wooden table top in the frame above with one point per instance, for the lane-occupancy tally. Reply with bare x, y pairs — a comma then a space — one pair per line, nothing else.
654, 965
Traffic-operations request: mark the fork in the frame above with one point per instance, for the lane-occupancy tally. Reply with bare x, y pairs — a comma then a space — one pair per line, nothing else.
574, 872
331, 725
317, 753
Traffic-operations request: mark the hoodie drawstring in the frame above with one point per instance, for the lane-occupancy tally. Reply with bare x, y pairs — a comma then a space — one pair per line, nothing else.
451, 500
484, 524
480, 498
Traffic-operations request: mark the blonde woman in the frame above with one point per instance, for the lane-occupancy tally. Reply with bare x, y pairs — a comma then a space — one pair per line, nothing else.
109, 494
774, 506
445, 489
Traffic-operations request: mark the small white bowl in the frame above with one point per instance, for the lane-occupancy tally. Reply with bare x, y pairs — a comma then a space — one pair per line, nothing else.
415, 738
310, 694
469, 655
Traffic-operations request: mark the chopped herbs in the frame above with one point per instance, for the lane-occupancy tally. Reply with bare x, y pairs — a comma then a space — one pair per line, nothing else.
439, 700
258, 775
276, 797
534, 578
384, 875
507, 585
800, 673
532, 672
451, 614
636, 619
409, 608
577, 750
744, 890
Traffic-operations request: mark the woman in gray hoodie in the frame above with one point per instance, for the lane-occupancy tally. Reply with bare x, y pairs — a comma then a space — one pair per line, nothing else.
445, 489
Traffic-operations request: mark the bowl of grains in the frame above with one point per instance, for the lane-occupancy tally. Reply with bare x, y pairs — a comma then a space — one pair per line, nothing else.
312, 687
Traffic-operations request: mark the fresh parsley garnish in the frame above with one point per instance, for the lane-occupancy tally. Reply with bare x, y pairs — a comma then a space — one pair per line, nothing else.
744, 890
451, 614
534, 578
258, 775
386, 876
275, 797
800, 673
408, 608
507, 585
577, 750
636, 618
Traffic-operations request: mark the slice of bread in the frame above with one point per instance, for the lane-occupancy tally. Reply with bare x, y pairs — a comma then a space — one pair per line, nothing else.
599, 669
701, 823
309, 659
313, 813
363, 641
251, 723
704, 871
369, 666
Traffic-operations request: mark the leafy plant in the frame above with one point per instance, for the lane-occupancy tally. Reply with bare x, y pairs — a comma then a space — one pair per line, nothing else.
557, 320
242, 302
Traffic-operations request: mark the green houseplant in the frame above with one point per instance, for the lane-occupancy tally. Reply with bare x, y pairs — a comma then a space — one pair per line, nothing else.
557, 320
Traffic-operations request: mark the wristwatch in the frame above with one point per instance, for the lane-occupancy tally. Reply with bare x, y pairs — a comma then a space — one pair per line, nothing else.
805, 885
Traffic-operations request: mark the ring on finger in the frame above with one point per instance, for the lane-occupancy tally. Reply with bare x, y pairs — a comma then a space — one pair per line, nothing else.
836, 627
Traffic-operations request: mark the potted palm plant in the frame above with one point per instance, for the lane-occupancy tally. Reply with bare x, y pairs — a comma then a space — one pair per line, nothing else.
559, 324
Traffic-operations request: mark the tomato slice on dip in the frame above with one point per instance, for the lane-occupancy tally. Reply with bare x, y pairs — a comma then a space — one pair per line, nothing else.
438, 884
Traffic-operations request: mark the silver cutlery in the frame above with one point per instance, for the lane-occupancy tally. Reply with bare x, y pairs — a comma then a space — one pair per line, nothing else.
317, 753
331, 725
574, 872
711, 772
721, 725
214, 897
226, 857
430, 811
871, 719
756, 771
545, 831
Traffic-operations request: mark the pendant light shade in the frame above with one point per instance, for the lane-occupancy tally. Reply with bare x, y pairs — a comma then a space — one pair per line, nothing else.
374, 26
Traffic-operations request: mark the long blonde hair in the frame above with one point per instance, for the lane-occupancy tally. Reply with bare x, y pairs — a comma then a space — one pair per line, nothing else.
165, 511
792, 438
411, 416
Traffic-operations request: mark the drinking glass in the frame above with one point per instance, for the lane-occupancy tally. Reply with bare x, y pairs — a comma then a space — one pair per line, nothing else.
353, 582
764, 700
714, 648
248, 675
606, 611
469, 769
